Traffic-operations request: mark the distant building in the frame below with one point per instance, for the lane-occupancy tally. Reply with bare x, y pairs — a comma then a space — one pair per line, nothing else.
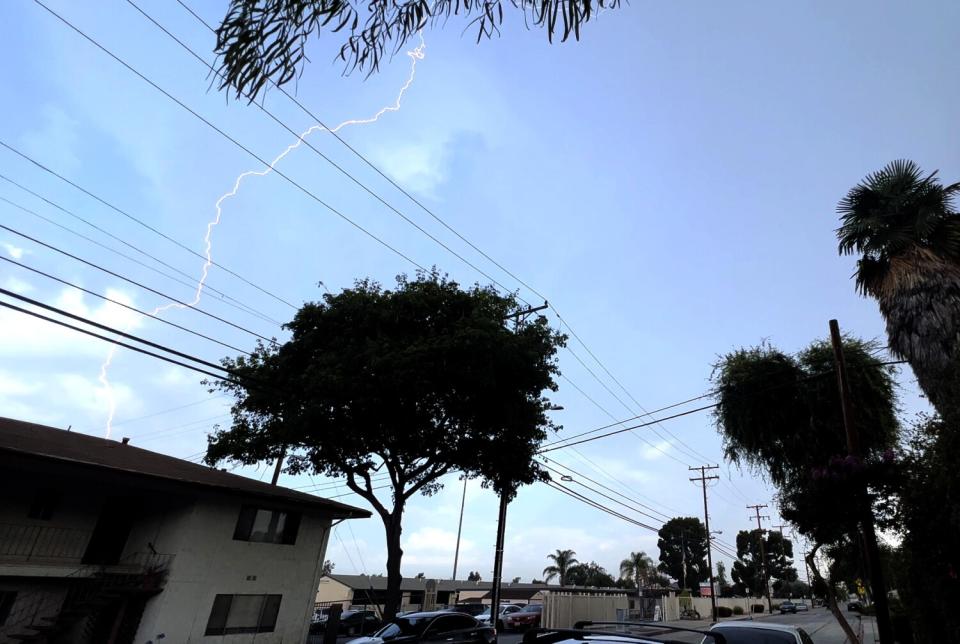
104, 542
365, 590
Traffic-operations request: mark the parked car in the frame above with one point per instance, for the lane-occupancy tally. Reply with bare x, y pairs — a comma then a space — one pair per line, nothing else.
474, 609
432, 627
527, 617
855, 606
788, 607
802, 606
755, 632
505, 609
352, 622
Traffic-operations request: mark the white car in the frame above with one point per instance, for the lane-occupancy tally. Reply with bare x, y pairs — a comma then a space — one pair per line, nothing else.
751, 632
505, 609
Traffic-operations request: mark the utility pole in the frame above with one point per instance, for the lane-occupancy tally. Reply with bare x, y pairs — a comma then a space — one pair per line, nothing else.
763, 555
806, 568
518, 318
279, 466
783, 546
456, 553
703, 478
872, 550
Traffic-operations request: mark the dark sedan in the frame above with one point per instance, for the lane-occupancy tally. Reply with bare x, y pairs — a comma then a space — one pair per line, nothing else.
352, 622
432, 628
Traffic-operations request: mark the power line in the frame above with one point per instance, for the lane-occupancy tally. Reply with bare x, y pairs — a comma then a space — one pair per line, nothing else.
116, 342
226, 136
136, 219
126, 306
165, 411
134, 282
598, 506
192, 284
606, 496
627, 429
584, 476
104, 327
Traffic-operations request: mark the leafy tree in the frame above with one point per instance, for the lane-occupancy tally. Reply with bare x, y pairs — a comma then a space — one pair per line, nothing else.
421, 575
638, 567
516, 580
903, 224
261, 40
930, 519
790, 589
327, 568
563, 561
780, 415
723, 584
747, 571
683, 551
590, 574
474, 576
413, 382
538, 581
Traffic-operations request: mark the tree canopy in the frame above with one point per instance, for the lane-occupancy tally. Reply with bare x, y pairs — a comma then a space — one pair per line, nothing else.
590, 574
563, 561
413, 383
683, 551
747, 572
261, 41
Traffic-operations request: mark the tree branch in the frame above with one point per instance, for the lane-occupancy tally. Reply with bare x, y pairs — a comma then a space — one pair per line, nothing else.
367, 492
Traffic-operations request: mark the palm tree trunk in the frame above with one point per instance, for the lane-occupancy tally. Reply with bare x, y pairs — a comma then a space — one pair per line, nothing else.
920, 301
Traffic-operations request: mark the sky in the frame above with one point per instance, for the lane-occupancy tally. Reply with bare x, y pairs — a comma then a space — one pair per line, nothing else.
669, 183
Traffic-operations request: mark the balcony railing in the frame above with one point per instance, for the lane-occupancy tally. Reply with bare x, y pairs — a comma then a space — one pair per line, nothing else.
36, 543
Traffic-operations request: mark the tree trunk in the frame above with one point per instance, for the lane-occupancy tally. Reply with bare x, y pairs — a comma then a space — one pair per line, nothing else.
394, 556
831, 597
920, 301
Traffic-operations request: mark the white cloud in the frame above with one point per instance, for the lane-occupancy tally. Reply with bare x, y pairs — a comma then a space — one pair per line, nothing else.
17, 285
417, 167
14, 251
430, 546
656, 450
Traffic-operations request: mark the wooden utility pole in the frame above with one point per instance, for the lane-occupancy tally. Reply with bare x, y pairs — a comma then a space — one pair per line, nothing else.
518, 318
279, 466
456, 553
869, 534
763, 554
703, 478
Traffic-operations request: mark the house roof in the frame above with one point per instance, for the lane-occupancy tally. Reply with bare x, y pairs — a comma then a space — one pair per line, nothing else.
365, 582
28, 439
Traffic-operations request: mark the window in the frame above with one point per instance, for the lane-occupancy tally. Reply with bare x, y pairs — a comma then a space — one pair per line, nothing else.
267, 526
7, 598
243, 614
43, 505
447, 623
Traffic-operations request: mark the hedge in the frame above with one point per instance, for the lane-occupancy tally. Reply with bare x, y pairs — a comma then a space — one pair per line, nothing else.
738, 610
725, 611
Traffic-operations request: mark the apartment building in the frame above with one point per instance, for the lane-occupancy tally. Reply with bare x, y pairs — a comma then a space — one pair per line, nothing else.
104, 542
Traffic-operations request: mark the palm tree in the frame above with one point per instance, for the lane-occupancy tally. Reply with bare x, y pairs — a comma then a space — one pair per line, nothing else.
904, 226
562, 560
638, 567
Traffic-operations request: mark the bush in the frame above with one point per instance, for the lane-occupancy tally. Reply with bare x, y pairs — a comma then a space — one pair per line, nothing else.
774, 607
738, 610
756, 608
725, 611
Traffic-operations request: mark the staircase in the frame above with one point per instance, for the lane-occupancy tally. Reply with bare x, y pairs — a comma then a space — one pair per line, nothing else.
102, 604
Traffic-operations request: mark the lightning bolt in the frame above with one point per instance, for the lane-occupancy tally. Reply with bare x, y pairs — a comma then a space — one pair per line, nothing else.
417, 54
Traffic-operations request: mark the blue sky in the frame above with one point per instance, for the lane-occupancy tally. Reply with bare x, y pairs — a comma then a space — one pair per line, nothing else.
669, 183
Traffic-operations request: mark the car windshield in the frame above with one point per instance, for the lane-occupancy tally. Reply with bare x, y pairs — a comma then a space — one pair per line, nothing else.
754, 636
532, 608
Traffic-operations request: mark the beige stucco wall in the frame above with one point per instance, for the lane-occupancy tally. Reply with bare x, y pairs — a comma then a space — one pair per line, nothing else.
209, 562
331, 590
